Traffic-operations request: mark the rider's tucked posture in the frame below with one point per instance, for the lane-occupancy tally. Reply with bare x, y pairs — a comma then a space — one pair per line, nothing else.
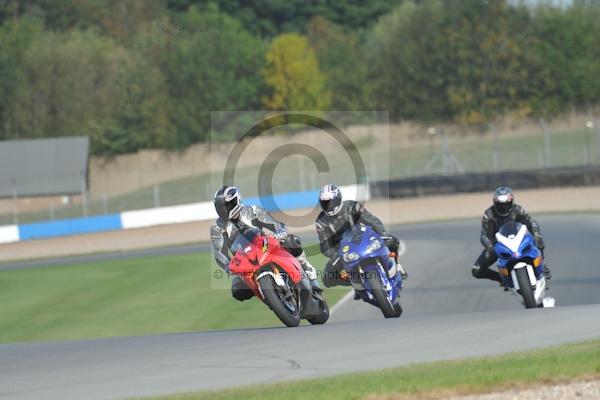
502, 211
234, 217
336, 218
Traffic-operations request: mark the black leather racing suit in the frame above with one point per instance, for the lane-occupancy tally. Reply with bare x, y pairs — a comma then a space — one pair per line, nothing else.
490, 224
223, 234
331, 228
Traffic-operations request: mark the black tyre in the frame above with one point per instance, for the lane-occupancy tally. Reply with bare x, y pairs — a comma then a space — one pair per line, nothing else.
525, 288
398, 308
324, 310
287, 310
388, 309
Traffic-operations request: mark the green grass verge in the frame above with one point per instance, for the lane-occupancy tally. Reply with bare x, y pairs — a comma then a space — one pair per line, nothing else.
124, 297
431, 380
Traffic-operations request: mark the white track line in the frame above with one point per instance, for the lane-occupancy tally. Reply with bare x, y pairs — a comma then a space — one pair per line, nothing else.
340, 302
350, 294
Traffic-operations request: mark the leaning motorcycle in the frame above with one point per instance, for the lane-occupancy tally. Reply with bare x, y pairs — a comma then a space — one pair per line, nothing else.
373, 272
521, 265
276, 277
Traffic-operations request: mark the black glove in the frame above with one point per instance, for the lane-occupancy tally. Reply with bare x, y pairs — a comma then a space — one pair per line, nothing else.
281, 234
539, 242
392, 243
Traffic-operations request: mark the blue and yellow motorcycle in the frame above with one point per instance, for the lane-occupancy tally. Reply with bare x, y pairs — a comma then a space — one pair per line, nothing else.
373, 272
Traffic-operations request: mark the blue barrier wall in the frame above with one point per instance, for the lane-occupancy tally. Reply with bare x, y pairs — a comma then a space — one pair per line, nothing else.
286, 201
69, 227
77, 226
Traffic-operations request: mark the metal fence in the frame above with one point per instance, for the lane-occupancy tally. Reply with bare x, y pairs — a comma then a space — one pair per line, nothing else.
486, 181
437, 154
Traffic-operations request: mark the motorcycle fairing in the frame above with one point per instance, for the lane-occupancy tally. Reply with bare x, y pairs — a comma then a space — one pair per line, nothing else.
515, 244
357, 240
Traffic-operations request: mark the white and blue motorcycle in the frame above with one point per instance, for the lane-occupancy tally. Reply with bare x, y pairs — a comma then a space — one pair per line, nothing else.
521, 265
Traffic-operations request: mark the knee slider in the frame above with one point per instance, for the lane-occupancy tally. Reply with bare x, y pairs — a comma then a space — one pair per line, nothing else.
294, 245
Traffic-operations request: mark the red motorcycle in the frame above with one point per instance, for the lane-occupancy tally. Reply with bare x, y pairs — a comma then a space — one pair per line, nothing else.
276, 277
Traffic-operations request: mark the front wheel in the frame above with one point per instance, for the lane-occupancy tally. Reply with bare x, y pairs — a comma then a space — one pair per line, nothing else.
388, 309
285, 307
323, 315
525, 288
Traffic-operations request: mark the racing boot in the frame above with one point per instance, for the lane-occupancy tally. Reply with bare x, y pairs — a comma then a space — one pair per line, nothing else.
310, 272
547, 272
403, 273
401, 269
548, 276
539, 242
486, 273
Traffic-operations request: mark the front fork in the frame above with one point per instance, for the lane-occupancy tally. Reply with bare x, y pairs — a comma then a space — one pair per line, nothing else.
360, 284
538, 285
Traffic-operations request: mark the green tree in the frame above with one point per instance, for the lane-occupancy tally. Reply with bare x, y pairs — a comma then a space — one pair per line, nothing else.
293, 75
210, 63
116, 18
568, 48
140, 117
341, 57
269, 18
16, 36
408, 61
81, 83
68, 86
465, 60
487, 42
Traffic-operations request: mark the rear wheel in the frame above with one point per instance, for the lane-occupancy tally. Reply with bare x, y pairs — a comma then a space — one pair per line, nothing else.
323, 310
388, 309
525, 288
284, 305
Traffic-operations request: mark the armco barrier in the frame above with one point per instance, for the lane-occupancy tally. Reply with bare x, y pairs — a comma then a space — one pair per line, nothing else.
533, 179
161, 216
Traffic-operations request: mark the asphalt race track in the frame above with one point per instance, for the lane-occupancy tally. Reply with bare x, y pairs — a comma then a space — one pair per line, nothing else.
439, 257
447, 314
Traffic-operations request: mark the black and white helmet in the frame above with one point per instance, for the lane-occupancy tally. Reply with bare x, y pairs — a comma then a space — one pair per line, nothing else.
503, 201
228, 202
330, 198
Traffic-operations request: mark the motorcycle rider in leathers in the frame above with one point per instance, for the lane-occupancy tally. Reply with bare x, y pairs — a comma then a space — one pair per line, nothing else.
235, 217
502, 211
336, 218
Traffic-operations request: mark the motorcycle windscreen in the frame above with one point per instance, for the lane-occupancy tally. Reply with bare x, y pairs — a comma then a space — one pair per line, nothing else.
510, 229
356, 235
244, 240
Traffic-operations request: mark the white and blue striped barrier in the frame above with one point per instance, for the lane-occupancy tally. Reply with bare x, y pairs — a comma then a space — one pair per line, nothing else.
9, 234
203, 211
